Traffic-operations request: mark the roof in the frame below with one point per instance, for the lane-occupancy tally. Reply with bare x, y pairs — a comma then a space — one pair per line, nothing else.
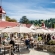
22, 24
2, 11
4, 24
51, 29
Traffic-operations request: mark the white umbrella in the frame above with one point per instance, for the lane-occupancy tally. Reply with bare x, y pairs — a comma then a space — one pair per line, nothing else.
49, 31
54, 31
20, 29
1, 29
41, 31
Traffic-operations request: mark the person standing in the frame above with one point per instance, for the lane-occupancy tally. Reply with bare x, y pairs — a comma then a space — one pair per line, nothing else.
27, 42
48, 38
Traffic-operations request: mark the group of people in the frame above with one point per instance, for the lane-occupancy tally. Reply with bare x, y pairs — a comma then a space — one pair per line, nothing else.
30, 41
44, 38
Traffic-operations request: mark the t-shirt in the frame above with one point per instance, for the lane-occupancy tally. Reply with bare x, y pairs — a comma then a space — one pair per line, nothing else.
39, 38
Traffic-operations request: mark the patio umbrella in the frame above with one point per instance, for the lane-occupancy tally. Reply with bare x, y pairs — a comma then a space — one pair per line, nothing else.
1, 29
54, 30
49, 31
41, 31
20, 29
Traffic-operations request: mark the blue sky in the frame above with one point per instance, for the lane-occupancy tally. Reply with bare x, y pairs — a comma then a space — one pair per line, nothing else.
33, 9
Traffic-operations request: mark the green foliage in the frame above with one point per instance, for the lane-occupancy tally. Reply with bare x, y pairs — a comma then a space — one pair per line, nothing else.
52, 42
24, 20
50, 23
10, 20
7, 18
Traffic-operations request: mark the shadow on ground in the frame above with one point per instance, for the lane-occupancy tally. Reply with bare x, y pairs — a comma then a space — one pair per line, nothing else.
23, 51
2, 53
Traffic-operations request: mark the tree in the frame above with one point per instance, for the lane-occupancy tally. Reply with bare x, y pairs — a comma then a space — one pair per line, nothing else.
7, 18
31, 21
39, 21
24, 20
10, 20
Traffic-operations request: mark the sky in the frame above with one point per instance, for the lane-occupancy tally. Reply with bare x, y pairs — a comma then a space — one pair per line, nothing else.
33, 9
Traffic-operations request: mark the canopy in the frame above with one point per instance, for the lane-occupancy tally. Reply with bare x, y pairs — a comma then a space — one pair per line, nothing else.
1, 29
19, 29
50, 31
41, 31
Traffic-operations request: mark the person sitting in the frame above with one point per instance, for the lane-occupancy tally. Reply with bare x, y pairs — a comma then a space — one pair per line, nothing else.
31, 42
4, 41
39, 40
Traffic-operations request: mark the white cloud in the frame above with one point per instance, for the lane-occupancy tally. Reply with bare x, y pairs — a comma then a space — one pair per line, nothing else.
19, 10
53, 2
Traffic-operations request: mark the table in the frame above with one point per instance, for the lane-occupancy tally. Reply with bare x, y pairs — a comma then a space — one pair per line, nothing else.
1, 46
8, 47
18, 44
40, 46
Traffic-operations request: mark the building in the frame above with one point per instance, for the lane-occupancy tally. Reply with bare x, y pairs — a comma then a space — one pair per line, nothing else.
2, 14
3, 22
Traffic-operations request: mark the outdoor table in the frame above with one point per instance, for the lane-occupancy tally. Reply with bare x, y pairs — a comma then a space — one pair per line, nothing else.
1, 46
40, 46
18, 44
6, 47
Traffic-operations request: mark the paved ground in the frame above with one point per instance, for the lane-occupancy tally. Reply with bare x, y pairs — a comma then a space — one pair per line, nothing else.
35, 52
32, 52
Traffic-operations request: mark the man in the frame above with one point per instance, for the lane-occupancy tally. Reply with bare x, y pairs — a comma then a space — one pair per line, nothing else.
27, 42
48, 38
